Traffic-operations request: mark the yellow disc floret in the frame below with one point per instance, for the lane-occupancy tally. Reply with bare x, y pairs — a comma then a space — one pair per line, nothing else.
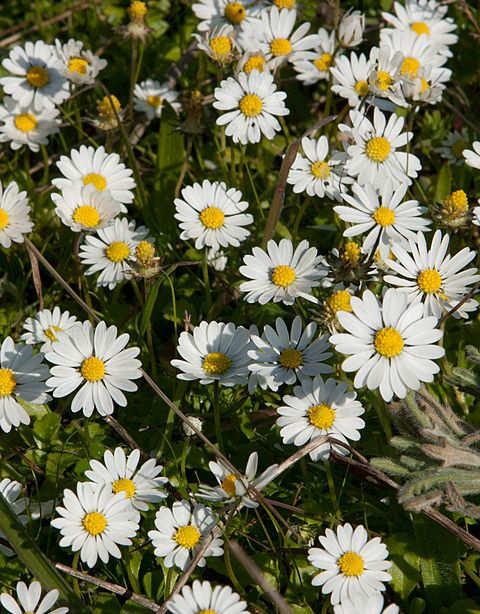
456, 202
339, 301
221, 47
4, 219
384, 216
187, 536
93, 369
7, 382
78, 65
212, 217
290, 358
235, 13
37, 76
320, 170
254, 62
410, 67
124, 485
283, 275
323, 62
144, 252
420, 27
117, 251
378, 149
216, 363
137, 11
108, 107
280, 46
25, 122
351, 564
383, 80
361, 87
209, 611
87, 216
322, 416
251, 105
94, 523
429, 281
96, 180
154, 101
228, 484
388, 342
351, 253
285, 4
50, 332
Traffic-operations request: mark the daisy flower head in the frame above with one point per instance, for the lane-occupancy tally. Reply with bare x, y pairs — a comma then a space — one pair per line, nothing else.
317, 173
366, 605
22, 379
150, 97
453, 146
212, 215
230, 487
352, 564
95, 522
427, 87
432, 276
390, 345
79, 65
472, 156
11, 490
29, 600
215, 351
373, 155
45, 327
383, 215
25, 125
251, 102
218, 44
35, 78
120, 473
15, 220
99, 168
84, 209
282, 356
312, 66
203, 597
111, 250
317, 408
282, 273
218, 13
94, 361
351, 77
384, 81
180, 531
109, 113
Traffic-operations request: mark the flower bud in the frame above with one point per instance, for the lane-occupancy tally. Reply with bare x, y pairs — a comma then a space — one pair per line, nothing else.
350, 30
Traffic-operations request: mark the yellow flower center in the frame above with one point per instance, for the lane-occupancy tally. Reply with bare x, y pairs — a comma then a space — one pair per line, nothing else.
154, 101
144, 252
457, 202
458, 147
323, 62
97, 180
378, 149
78, 65
92, 369
228, 484
50, 332
285, 4
361, 87
351, 564
216, 363
37, 76
283, 275
25, 122
254, 62
187, 536
351, 253
7, 382
117, 251
107, 106
251, 105
339, 301
137, 11
235, 12
221, 46
124, 485
320, 170
4, 219
322, 416
280, 46
94, 523
384, 80
410, 67
420, 27
290, 358
384, 216
388, 342
424, 85
87, 216
429, 281
212, 217
209, 611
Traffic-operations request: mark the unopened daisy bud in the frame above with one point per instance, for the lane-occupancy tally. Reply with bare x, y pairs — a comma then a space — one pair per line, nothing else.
108, 108
350, 30
136, 27
137, 11
351, 254
145, 252
197, 423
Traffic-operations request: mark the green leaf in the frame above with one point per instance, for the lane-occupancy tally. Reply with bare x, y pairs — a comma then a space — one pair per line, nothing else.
149, 305
444, 183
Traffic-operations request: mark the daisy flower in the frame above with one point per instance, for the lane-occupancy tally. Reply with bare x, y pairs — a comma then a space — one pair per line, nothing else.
282, 274
79, 65
319, 408
365, 605
111, 250
252, 103
312, 66
46, 325
22, 379
141, 485
353, 565
472, 156
230, 487
218, 44
151, 96
383, 215
385, 81
95, 361
281, 356
15, 219
109, 113
429, 86
391, 345
252, 59
373, 155
24, 125
316, 173
95, 166
202, 597
351, 75
180, 532
84, 208
351, 28
214, 352
11, 490
434, 277
28, 600
453, 146
95, 522
212, 215
217, 13
36, 77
